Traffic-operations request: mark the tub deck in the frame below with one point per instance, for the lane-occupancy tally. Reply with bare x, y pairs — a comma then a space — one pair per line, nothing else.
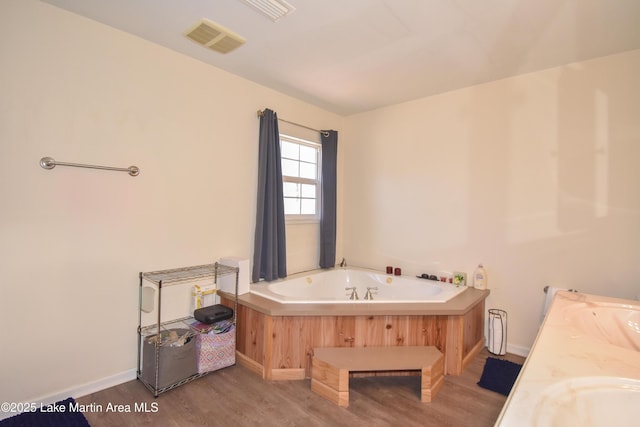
459, 305
277, 340
331, 287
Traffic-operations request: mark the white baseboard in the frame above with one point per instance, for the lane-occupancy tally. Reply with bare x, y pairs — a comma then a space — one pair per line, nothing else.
102, 384
518, 350
80, 390
513, 349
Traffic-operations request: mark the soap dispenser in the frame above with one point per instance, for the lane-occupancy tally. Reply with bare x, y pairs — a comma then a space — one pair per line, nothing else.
480, 278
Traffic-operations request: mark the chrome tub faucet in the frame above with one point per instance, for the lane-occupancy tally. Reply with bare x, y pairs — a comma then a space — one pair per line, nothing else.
354, 293
369, 294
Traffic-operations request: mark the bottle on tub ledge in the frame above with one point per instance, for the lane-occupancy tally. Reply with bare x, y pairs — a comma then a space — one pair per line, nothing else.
480, 277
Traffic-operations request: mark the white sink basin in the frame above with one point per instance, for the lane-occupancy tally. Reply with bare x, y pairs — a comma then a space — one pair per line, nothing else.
616, 324
590, 401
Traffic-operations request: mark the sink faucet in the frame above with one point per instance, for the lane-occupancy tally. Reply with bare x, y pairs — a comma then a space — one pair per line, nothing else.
343, 263
369, 294
354, 293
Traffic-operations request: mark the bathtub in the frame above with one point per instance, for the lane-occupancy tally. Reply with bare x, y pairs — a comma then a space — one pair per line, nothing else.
328, 286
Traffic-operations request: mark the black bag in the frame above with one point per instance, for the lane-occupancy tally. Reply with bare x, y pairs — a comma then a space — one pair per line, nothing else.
213, 313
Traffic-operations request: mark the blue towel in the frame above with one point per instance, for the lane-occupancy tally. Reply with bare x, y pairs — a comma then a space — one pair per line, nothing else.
499, 375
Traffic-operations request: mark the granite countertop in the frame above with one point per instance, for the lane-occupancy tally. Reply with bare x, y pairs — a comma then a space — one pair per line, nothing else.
583, 368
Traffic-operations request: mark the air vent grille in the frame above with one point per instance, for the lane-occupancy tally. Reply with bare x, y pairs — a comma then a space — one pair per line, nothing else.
203, 34
214, 36
272, 9
226, 44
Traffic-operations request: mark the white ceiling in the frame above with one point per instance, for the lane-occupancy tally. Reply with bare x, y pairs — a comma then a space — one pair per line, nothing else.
349, 56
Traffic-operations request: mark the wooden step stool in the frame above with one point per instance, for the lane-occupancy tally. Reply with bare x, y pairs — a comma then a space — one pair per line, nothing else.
331, 366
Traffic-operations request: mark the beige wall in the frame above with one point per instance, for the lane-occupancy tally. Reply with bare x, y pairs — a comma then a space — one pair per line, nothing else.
73, 240
535, 176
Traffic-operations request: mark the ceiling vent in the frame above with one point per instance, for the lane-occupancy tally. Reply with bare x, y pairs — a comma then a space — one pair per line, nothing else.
272, 9
214, 36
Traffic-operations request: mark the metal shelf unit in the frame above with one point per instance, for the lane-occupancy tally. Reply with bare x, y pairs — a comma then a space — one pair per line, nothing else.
173, 277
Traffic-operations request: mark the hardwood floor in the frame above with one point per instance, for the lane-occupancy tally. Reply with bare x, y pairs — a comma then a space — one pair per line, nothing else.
235, 396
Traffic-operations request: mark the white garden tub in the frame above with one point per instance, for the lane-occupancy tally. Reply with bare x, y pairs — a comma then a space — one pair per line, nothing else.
329, 286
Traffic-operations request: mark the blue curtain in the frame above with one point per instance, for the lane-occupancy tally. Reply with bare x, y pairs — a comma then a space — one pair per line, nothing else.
269, 253
328, 212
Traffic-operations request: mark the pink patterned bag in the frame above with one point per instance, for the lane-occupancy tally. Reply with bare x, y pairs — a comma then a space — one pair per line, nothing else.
216, 351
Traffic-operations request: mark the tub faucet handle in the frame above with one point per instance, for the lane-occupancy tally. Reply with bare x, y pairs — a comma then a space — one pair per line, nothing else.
354, 293
343, 263
369, 294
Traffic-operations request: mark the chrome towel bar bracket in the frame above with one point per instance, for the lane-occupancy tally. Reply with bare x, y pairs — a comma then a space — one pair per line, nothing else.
546, 289
50, 163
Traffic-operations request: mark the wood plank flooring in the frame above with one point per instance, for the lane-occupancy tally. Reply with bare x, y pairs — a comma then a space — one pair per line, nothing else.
235, 396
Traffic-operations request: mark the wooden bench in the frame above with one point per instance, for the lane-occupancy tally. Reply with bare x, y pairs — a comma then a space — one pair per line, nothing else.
331, 366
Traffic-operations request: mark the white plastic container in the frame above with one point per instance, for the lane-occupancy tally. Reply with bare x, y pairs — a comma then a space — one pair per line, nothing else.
228, 283
480, 278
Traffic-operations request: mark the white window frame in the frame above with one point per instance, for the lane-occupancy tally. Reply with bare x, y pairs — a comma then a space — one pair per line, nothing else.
306, 218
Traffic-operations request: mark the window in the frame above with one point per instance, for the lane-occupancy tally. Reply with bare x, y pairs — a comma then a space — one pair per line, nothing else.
301, 178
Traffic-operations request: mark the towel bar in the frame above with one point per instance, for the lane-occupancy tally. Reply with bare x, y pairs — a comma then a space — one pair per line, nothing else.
50, 163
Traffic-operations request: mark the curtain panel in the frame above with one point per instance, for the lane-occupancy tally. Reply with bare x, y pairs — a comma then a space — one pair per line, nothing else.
329, 141
269, 253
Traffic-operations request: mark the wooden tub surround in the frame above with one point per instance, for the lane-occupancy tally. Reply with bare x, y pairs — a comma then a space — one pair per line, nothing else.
277, 341
331, 367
